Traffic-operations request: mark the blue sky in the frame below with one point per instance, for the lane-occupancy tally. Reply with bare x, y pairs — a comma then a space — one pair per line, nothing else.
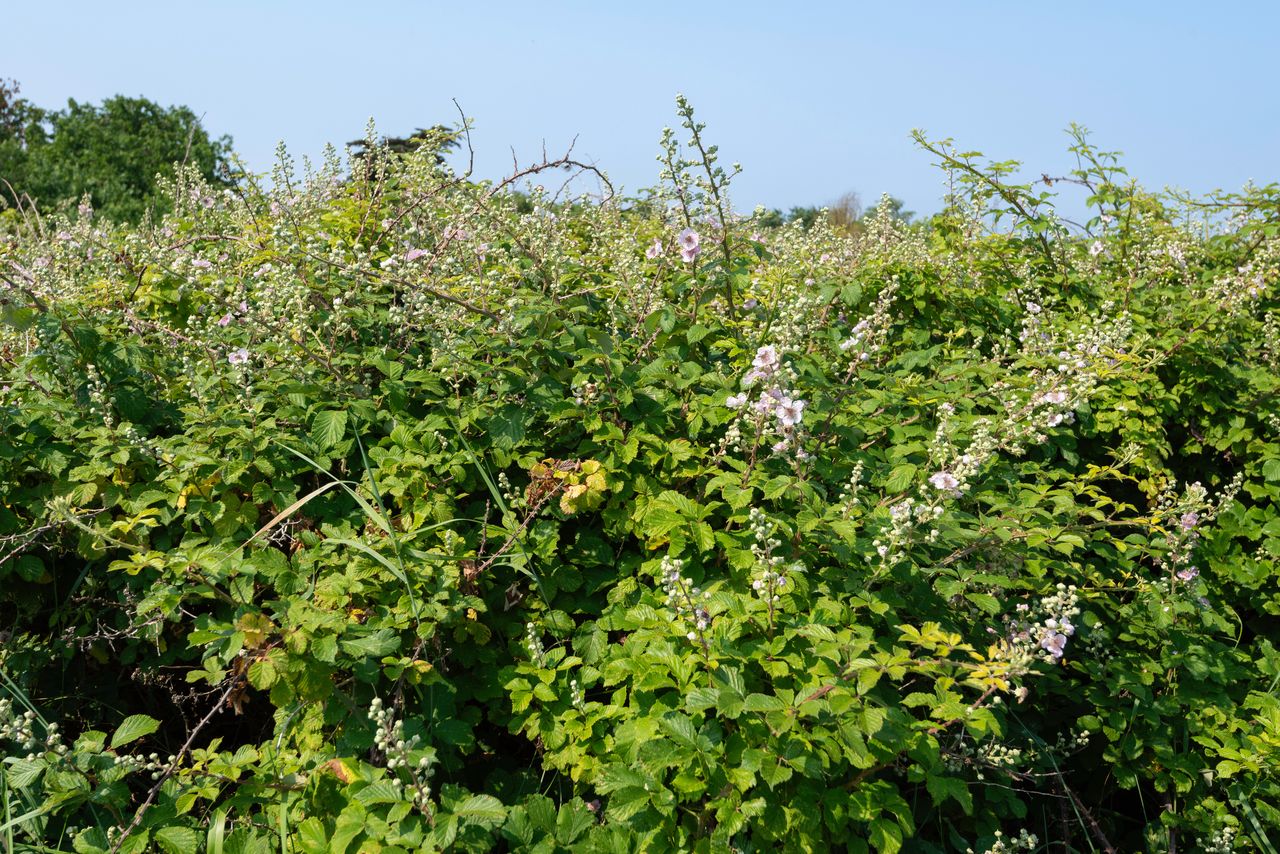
814, 101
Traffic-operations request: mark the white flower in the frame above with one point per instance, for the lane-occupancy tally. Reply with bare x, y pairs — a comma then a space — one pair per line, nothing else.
1057, 397
690, 244
944, 480
789, 412
1054, 643
1033, 307
1095, 248
735, 401
766, 359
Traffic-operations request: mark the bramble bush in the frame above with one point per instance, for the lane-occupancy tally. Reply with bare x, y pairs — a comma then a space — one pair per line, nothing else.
391, 510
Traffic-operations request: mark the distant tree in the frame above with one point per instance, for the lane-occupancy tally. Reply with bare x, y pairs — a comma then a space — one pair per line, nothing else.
20, 120
772, 218
806, 216
843, 214
845, 211
22, 124
893, 206
441, 138
113, 152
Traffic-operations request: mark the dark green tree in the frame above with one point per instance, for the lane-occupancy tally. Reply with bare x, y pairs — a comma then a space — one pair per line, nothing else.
113, 152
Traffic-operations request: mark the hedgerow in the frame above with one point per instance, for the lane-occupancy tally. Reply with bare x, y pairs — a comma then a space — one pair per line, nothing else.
385, 509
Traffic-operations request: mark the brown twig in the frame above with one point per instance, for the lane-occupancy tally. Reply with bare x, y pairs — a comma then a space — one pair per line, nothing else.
232, 685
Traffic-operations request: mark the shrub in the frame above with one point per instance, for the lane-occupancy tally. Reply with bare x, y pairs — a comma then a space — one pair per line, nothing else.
405, 512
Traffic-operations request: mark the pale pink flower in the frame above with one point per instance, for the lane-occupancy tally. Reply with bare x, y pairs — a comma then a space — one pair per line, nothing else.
689, 241
414, 254
1188, 573
1054, 643
789, 412
1189, 520
766, 359
202, 263
225, 320
655, 250
944, 480
238, 357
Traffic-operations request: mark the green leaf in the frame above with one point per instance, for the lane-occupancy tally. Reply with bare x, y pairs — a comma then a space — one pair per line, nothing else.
178, 840
133, 728
763, 703
311, 836
21, 773
886, 836
381, 792
328, 428
484, 810
379, 643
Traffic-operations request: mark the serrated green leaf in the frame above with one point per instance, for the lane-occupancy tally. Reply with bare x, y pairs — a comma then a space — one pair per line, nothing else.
133, 728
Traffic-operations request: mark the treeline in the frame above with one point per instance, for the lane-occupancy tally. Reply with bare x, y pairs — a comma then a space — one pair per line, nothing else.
115, 153
112, 152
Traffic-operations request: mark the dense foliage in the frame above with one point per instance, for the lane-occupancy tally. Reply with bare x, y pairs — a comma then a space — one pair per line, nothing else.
394, 511
113, 153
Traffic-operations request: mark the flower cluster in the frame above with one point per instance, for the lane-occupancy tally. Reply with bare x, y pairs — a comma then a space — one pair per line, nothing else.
1183, 518
771, 569
848, 498
776, 410
533, 642
1024, 841
20, 728
1046, 629
1223, 841
1045, 398
99, 403
687, 603
869, 334
401, 753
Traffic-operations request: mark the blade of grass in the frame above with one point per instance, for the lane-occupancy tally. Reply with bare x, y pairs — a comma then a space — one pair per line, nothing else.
484, 474
1256, 831
216, 838
374, 516
364, 505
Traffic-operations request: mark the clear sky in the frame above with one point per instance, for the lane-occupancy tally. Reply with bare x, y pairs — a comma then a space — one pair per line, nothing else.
814, 99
